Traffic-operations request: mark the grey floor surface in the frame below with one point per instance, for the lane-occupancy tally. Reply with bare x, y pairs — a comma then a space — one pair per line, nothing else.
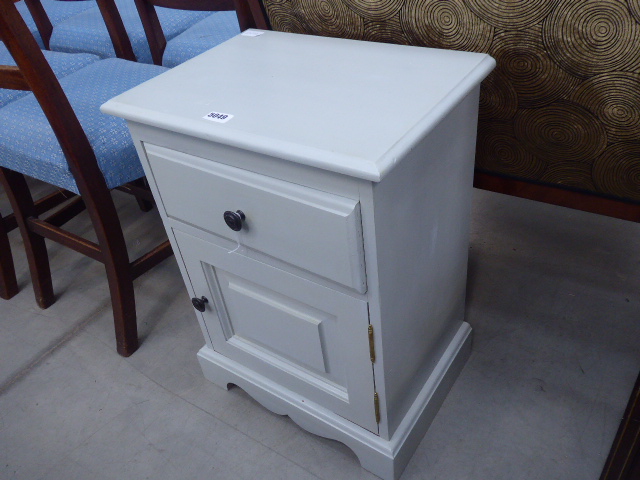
553, 298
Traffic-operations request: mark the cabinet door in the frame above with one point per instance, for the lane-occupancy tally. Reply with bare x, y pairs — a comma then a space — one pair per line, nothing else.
308, 338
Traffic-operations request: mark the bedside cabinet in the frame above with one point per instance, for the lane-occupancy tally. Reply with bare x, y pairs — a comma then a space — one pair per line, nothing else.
317, 195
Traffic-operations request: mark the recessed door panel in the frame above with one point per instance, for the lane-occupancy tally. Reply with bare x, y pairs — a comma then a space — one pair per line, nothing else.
261, 316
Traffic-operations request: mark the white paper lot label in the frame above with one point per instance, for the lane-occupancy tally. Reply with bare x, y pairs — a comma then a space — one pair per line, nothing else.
218, 117
252, 33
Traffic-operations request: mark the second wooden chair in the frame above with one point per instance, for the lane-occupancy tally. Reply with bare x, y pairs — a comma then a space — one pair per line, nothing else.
59, 136
231, 17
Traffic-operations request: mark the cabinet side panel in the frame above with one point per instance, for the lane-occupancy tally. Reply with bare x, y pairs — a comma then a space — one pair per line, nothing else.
422, 215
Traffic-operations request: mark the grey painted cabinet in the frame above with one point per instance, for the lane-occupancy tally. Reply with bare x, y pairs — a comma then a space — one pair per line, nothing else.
317, 195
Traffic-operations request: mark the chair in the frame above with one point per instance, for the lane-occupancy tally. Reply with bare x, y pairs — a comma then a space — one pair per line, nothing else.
92, 31
62, 64
41, 22
59, 136
41, 16
229, 18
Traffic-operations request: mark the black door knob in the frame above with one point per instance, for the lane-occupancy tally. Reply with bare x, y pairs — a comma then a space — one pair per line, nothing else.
234, 219
199, 303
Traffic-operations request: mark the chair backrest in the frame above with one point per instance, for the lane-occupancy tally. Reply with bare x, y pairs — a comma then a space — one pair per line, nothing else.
112, 19
41, 19
250, 15
34, 73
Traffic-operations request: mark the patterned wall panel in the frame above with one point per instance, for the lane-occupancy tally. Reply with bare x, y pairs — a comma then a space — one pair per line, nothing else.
563, 105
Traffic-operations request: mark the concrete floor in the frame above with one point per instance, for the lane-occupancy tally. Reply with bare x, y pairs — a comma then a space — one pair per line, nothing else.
553, 298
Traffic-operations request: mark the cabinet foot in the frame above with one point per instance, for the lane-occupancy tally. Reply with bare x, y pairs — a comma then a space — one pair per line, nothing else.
384, 458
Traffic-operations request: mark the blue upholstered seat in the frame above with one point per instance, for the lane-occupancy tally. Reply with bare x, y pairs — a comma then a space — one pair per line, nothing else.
29, 146
207, 33
57, 11
87, 32
62, 65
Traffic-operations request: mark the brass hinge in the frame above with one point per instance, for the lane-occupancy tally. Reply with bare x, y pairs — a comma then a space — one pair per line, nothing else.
372, 347
376, 406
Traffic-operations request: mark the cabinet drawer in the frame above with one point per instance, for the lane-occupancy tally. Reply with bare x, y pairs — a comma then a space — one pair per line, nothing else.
314, 230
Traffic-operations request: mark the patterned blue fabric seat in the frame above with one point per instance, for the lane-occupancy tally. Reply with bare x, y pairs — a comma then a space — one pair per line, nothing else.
62, 65
97, 149
29, 146
204, 35
88, 33
57, 11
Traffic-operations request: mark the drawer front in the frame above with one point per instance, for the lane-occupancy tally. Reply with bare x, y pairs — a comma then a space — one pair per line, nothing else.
308, 338
316, 231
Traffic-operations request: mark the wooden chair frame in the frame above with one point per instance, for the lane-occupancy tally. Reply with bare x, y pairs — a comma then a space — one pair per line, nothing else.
34, 73
623, 462
250, 14
112, 19
8, 280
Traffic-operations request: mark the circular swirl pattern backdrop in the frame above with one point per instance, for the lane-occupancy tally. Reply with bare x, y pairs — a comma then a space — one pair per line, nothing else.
615, 99
562, 131
511, 14
498, 98
528, 67
500, 150
634, 8
282, 17
445, 24
617, 171
376, 10
589, 37
389, 31
570, 174
331, 18
562, 106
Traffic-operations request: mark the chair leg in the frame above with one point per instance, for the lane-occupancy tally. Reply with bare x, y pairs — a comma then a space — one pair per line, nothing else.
8, 281
23, 207
108, 229
145, 205
124, 305
107, 226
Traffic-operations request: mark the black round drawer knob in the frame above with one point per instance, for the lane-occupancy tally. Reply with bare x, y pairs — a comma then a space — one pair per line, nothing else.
234, 220
199, 303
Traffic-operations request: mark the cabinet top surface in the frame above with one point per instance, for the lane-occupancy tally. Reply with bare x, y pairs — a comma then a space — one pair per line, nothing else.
348, 106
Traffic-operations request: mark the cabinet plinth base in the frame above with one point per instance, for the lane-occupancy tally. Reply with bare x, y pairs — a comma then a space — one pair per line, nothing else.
384, 458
